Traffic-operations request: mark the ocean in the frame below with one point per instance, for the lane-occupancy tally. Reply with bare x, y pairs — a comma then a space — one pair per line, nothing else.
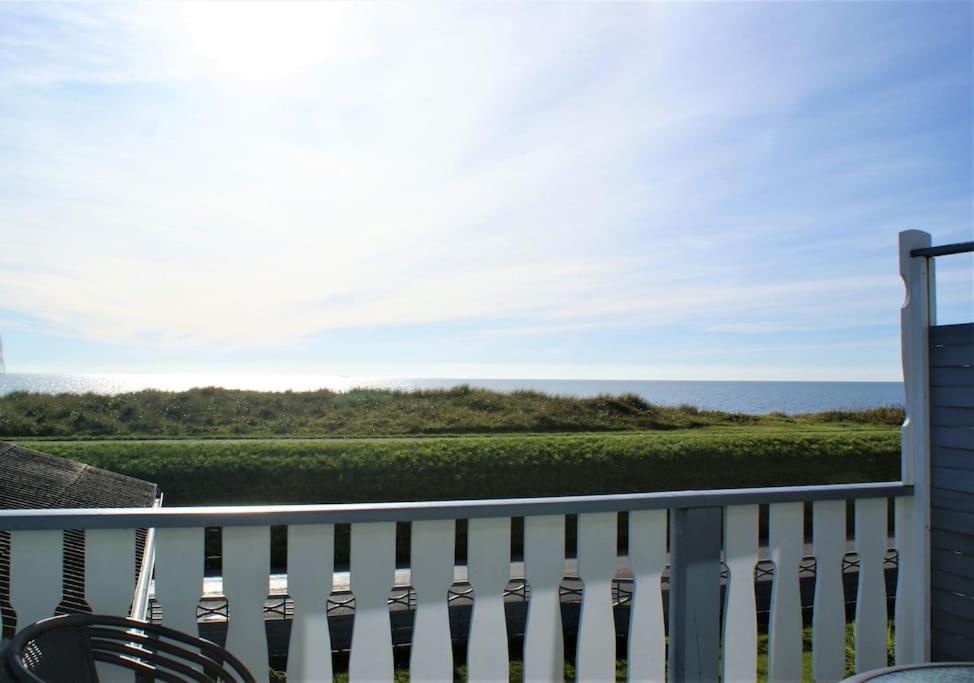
733, 396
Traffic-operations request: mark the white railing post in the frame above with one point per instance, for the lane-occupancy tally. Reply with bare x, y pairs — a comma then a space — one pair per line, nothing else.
913, 514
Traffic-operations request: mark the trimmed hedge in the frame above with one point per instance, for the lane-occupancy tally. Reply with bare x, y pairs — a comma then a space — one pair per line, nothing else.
332, 471
335, 471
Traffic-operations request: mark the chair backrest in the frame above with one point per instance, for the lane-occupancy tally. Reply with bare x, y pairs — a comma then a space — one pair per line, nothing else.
66, 649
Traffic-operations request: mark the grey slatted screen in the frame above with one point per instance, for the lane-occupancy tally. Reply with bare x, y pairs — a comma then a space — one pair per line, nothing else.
952, 493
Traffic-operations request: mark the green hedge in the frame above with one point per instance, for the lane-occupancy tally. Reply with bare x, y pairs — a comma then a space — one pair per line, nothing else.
331, 471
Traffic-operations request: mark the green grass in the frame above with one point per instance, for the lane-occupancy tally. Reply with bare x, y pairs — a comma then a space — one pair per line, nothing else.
401, 675
212, 412
433, 468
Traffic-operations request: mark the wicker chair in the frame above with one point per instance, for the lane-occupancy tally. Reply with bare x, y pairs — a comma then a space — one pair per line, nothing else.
65, 649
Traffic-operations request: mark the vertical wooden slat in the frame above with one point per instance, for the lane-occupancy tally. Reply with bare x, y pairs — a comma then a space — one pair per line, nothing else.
828, 614
905, 610
595, 659
179, 576
489, 570
694, 644
109, 570
372, 575
110, 583
544, 567
246, 583
647, 559
871, 539
310, 569
36, 574
785, 629
432, 554
740, 644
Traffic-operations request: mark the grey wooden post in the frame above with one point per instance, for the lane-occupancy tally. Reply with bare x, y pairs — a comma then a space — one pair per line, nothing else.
694, 642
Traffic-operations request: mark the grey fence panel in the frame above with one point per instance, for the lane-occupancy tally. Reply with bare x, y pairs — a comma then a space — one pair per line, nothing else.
951, 647
952, 377
953, 437
961, 334
952, 500
955, 583
952, 480
952, 603
952, 492
953, 417
962, 544
953, 459
952, 397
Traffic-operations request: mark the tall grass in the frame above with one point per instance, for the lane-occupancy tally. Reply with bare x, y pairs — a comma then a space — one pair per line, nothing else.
213, 412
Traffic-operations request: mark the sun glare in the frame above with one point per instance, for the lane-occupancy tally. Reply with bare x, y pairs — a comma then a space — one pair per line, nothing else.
258, 41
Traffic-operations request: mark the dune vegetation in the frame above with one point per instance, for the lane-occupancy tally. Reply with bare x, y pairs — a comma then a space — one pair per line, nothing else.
212, 412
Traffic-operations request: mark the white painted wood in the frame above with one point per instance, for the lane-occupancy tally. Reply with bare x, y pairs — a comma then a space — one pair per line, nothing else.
36, 574
906, 603
916, 316
871, 595
310, 569
431, 575
828, 613
544, 567
595, 660
372, 575
785, 540
489, 570
179, 576
246, 584
647, 560
740, 636
110, 570
110, 583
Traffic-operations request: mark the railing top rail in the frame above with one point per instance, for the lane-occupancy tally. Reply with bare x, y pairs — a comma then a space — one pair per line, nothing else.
944, 250
269, 515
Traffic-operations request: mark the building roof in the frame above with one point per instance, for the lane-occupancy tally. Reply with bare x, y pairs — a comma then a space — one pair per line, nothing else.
31, 479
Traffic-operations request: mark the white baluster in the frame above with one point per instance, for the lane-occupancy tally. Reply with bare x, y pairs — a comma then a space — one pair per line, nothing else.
647, 559
596, 625
110, 570
740, 643
310, 569
906, 582
544, 567
36, 574
828, 613
246, 583
786, 540
871, 540
489, 570
431, 575
372, 575
179, 576
110, 583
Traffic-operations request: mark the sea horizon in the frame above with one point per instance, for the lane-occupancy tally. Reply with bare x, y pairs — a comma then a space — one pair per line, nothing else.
745, 396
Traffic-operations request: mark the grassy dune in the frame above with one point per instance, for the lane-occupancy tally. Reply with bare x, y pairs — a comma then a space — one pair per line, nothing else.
211, 412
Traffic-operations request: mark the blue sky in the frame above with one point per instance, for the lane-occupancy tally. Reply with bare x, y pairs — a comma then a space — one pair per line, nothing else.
674, 191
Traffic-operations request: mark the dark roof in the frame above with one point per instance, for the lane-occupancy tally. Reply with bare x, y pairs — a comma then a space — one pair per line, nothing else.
30, 479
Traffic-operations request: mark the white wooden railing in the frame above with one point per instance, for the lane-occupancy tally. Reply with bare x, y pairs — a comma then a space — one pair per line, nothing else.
706, 528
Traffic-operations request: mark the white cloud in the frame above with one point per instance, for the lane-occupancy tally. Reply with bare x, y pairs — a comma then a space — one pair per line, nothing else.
258, 173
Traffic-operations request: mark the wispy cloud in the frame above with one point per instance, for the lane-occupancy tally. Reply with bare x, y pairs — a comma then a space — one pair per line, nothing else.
195, 174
